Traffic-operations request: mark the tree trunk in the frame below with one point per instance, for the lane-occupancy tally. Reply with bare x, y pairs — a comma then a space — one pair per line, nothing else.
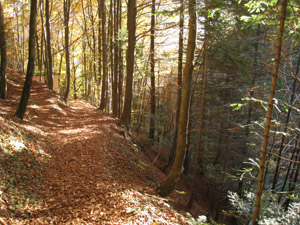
152, 68
115, 102
3, 84
168, 184
131, 27
99, 48
104, 58
66, 21
269, 115
49, 55
120, 87
42, 41
31, 59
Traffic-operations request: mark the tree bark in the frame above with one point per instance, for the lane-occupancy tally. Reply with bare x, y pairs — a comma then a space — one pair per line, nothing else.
67, 52
42, 40
99, 47
3, 83
115, 102
131, 27
168, 184
49, 55
31, 59
269, 115
120, 53
152, 68
104, 58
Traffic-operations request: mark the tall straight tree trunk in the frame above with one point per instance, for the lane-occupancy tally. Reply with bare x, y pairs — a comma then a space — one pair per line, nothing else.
269, 115
3, 84
42, 41
179, 86
120, 88
23, 37
115, 105
104, 58
131, 27
152, 68
49, 55
201, 120
91, 16
67, 7
99, 47
168, 184
111, 55
31, 59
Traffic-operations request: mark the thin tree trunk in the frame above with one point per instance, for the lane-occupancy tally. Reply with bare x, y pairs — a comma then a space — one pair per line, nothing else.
131, 27
49, 55
42, 40
19, 53
3, 83
120, 88
269, 116
168, 184
38, 51
23, 37
152, 66
110, 79
104, 58
31, 59
115, 105
67, 7
99, 47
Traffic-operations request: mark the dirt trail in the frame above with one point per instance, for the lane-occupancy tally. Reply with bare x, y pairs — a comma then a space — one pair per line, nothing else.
93, 174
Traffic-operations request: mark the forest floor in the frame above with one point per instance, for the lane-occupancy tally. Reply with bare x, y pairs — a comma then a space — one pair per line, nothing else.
73, 164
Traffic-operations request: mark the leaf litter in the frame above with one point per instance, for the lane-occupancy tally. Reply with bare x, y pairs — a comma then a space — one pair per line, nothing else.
72, 165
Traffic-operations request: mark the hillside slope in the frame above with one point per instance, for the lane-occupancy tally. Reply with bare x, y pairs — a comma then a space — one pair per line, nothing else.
72, 164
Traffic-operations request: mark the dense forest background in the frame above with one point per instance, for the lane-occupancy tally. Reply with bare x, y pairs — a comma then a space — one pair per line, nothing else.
87, 49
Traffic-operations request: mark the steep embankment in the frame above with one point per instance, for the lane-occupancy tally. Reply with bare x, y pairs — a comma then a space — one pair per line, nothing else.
73, 165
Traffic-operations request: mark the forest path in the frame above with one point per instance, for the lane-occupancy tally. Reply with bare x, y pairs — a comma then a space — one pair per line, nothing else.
93, 174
